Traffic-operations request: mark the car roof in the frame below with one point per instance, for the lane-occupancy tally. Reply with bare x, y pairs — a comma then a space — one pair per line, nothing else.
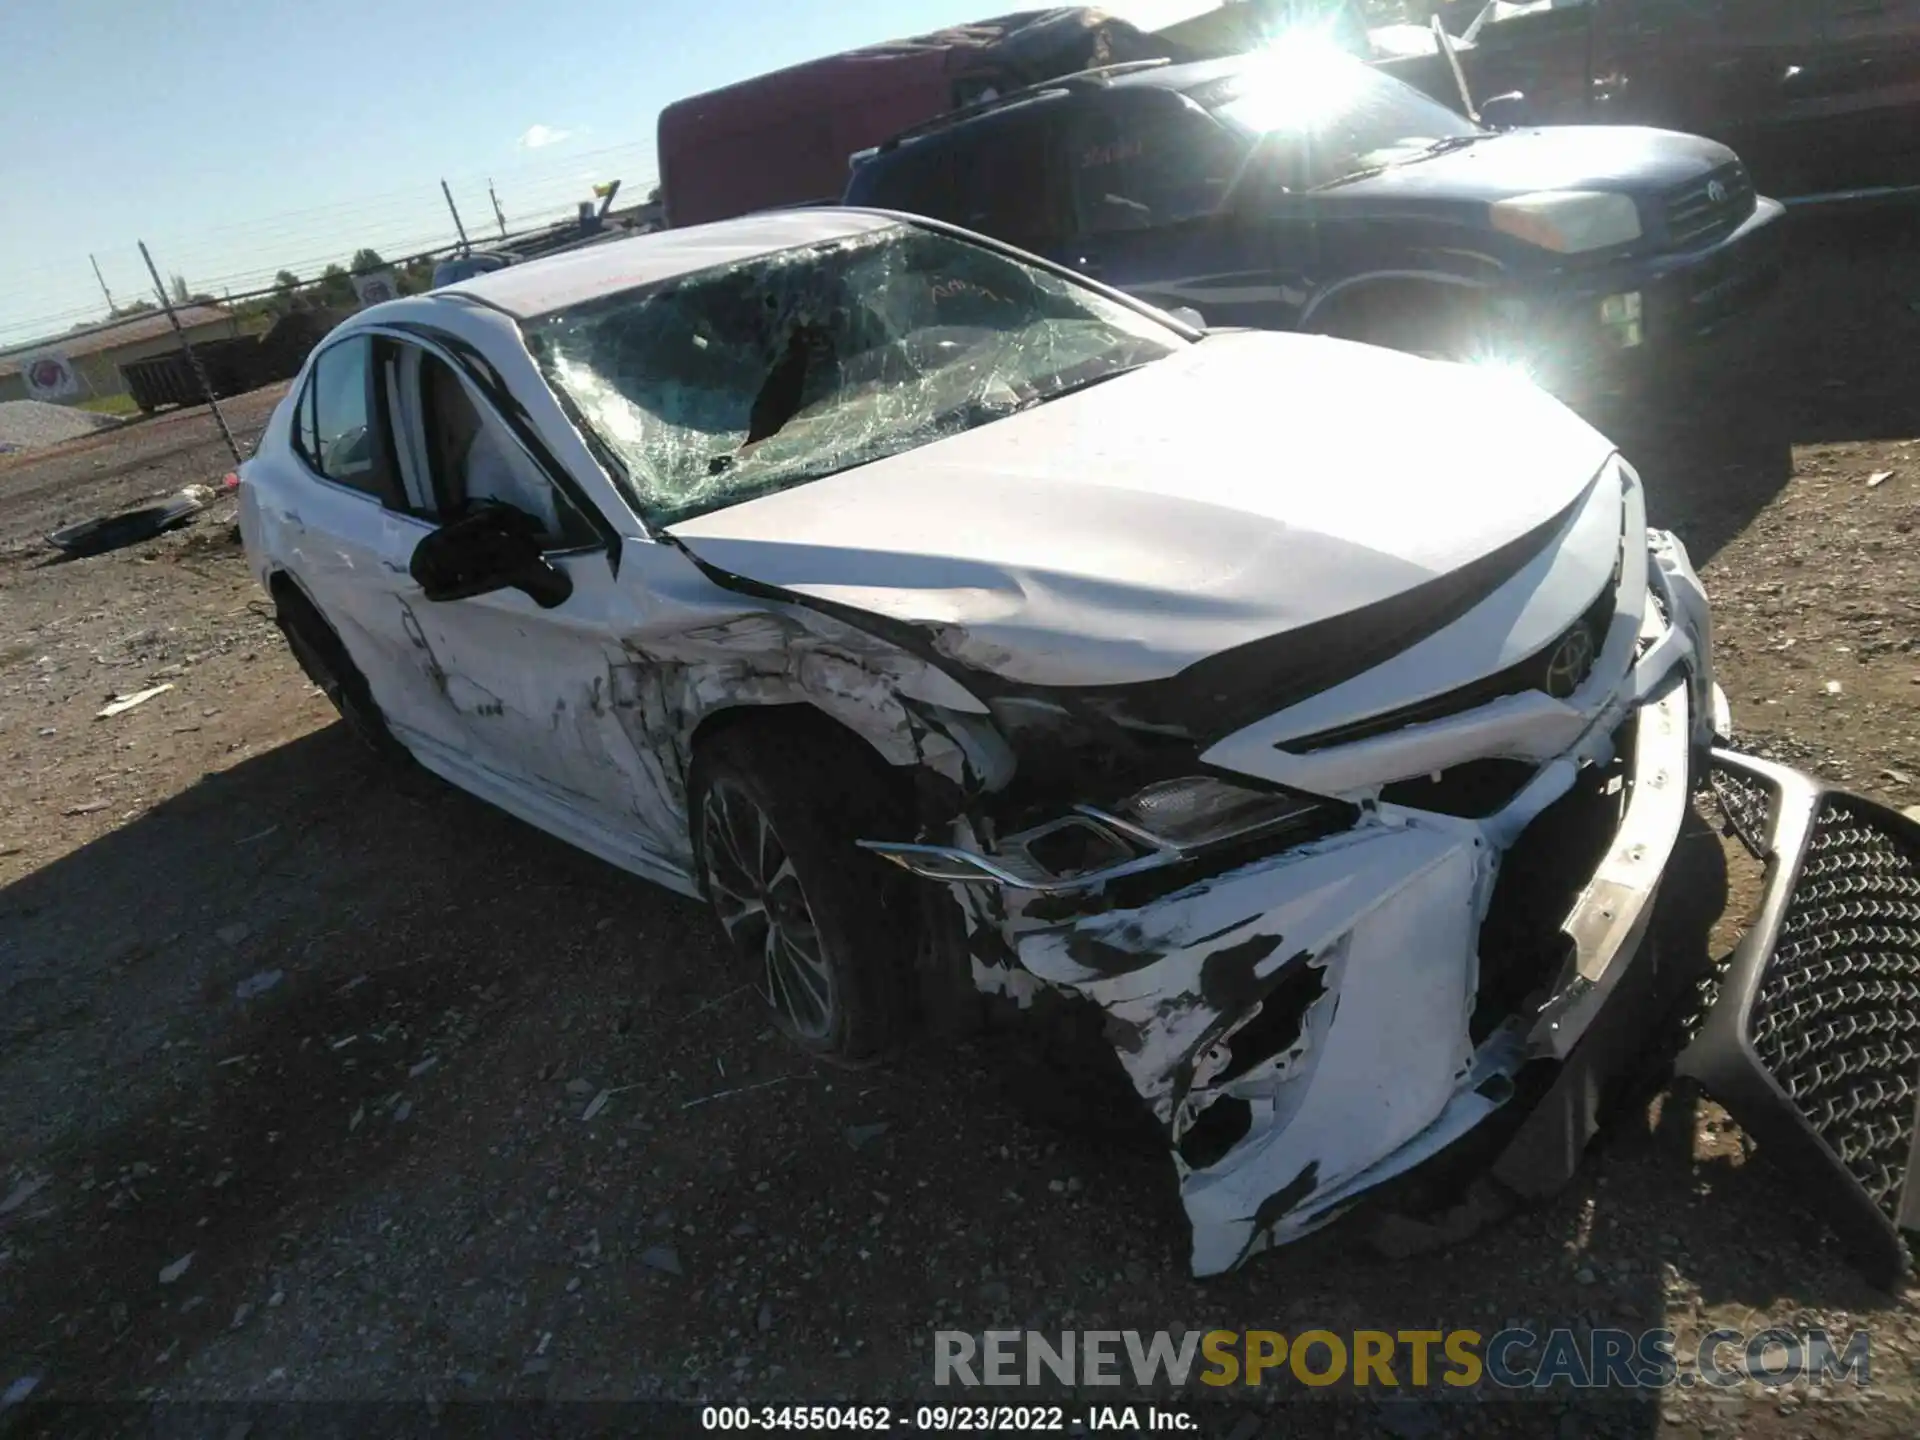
554, 282
1142, 74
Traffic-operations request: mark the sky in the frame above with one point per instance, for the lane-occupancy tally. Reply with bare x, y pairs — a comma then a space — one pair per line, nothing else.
242, 137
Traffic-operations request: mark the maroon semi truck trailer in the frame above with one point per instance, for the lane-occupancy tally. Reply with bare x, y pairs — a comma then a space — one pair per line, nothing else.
785, 138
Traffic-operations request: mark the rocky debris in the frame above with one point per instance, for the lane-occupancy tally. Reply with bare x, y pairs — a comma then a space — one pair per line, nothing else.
661, 1257
254, 986
860, 1136
30, 424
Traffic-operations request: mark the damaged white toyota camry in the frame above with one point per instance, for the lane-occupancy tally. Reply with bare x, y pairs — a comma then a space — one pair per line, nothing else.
957, 627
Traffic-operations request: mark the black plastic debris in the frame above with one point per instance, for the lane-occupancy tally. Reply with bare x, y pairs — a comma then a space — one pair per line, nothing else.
114, 532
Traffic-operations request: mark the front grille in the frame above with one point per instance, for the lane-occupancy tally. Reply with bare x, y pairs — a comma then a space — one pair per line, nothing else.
1836, 1021
1543, 671
1705, 211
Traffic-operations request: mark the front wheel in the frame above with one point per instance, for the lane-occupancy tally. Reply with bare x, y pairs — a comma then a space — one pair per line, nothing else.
825, 931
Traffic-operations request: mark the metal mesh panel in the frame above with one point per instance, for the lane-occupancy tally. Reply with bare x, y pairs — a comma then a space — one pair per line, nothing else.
1837, 1018
1747, 804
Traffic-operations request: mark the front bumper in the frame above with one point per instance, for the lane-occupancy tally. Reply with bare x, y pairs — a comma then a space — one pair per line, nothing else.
1813, 1041
1619, 321
1309, 1024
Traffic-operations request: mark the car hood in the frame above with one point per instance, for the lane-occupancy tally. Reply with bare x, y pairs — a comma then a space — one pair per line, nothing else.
1251, 486
1623, 158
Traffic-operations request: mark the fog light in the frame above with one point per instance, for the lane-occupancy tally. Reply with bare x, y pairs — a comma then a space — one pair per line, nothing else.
1620, 319
1620, 309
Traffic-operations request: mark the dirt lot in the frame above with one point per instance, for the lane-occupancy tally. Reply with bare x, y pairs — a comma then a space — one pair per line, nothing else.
296, 1059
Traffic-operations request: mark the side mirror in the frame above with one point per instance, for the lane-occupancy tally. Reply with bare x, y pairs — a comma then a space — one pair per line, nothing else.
1505, 112
1189, 317
492, 547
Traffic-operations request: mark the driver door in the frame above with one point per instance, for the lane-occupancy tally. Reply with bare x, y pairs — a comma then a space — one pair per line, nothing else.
543, 701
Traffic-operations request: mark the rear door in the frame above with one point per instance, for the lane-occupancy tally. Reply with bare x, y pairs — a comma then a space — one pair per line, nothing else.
1152, 175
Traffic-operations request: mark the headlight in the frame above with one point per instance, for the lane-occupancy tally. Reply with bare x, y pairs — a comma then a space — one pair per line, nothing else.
1161, 825
1569, 221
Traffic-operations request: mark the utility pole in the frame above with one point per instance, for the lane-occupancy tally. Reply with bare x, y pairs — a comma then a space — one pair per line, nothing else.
497, 215
111, 307
199, 370
466, 246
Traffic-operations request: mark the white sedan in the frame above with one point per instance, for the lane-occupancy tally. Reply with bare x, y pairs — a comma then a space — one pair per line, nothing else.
1322, 715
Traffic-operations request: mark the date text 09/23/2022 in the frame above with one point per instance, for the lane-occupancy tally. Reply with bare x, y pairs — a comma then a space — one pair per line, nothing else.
938, 1419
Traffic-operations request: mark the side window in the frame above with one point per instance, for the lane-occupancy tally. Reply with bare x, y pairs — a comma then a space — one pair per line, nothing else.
1004, 181
1143, 165
473, 457
340, 435
995, 176
918, 179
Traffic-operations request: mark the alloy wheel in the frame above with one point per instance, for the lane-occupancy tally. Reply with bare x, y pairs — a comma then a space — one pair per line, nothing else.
758, 896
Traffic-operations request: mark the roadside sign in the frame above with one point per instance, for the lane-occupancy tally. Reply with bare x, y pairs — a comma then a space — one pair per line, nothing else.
376, 288
50, 376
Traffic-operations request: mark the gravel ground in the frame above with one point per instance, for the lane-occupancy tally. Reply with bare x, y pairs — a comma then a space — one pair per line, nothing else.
301, 1065
31, 424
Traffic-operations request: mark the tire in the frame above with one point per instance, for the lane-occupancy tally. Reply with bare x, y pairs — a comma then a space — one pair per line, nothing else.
327, 664
826, 931
1436, 327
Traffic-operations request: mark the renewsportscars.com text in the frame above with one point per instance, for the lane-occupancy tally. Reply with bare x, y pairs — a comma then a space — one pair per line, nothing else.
1513, 1358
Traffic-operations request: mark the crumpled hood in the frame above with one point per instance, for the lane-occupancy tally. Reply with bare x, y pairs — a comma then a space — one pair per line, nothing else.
1248, 486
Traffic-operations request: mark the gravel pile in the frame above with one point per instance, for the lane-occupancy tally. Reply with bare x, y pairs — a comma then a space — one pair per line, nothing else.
27, 424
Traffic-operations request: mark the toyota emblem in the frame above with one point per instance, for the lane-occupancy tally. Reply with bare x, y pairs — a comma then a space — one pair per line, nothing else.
1717, 191
1570, 663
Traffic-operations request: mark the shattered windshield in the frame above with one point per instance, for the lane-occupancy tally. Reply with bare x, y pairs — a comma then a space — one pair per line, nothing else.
1323, 117
752, 378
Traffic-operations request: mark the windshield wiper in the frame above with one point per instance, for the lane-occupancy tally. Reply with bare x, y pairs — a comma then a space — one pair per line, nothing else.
1455, 142
1438, 147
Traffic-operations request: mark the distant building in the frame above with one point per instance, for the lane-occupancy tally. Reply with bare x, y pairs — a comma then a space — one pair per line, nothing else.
96, 354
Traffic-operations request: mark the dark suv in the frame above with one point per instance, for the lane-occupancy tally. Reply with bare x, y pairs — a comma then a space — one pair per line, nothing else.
1305, 190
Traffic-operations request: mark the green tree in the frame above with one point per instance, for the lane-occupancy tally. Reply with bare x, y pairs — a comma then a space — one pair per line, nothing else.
335, 287
181, 295
366, 261
286, 282
416, 276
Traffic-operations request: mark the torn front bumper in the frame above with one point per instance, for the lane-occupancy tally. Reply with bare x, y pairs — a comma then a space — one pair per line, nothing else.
1813, 1041
1304, 1027
1308, 1024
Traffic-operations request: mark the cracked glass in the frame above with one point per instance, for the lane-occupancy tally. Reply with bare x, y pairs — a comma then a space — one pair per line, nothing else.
750, 378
